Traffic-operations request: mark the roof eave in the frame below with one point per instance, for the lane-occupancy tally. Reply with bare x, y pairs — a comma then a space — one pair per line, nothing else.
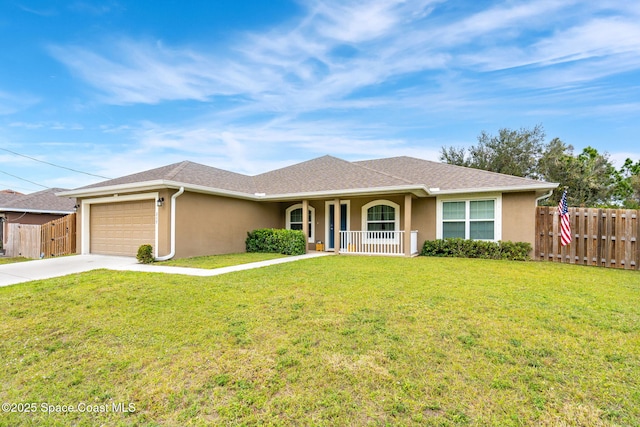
419, 191
153, 185
546, 186
113, 189
37, 211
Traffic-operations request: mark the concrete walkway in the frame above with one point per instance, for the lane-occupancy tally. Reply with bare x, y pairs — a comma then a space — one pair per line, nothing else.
20, 272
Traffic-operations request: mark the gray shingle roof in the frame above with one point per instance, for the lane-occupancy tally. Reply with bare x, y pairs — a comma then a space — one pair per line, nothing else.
7, 196
189, 173
43, 201
325, 173
443, 175
330, 174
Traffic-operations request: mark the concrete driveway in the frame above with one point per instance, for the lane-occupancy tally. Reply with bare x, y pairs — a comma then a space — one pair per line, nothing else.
19, 272
11, 274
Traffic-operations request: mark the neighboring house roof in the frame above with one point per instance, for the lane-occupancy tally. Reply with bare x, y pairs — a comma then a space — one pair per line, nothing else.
323, 176
44, 201
6, 196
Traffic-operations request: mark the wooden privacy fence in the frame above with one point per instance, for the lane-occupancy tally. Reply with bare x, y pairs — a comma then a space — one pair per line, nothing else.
59, 236
600, 237
54, 238
23, 240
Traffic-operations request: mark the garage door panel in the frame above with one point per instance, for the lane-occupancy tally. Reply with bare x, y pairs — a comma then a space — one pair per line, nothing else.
120, 228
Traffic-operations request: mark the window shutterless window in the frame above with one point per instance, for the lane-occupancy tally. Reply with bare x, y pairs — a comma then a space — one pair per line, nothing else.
294, 220
469, 219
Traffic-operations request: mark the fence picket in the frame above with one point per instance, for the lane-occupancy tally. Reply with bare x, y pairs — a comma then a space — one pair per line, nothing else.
601, 237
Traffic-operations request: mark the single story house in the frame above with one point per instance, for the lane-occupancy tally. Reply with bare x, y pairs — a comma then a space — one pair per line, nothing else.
32, 209
384, 206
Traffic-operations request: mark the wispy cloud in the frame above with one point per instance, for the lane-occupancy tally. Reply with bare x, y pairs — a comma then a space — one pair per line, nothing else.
10, 102
341, 48
381, 60
47, 125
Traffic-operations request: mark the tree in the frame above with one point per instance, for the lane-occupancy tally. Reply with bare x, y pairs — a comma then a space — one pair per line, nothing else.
590, 177
628, 184
513, 152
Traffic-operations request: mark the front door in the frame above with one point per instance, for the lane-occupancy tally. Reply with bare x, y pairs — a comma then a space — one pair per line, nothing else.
343, 223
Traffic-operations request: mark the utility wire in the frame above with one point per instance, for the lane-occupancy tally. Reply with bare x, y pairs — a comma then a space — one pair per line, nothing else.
13, 187
22, 179
51, 164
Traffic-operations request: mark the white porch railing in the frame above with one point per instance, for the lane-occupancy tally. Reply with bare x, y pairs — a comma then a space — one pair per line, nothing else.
376, 242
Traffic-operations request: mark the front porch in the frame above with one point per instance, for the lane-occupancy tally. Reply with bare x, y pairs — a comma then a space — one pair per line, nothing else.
377, 243
360, 225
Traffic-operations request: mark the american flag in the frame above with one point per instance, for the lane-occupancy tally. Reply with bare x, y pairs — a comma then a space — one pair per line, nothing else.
565, 222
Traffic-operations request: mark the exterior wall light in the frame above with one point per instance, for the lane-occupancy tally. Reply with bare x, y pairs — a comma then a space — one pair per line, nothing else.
160, 202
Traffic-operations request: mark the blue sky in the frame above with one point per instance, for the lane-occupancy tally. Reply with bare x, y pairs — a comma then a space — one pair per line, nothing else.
116, 87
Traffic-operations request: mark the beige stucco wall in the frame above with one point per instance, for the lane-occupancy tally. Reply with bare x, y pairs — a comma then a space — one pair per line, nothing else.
164, 222
210, 225
518, 217
424, 219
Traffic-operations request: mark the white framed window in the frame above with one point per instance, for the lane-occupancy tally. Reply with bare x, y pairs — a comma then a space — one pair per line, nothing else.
381, 219
294, 220
471, 219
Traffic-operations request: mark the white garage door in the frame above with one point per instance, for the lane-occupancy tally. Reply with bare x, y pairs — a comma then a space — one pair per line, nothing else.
120, 228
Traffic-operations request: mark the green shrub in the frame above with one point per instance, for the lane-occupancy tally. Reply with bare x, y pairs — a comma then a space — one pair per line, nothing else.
145, 254
272, 240
461, 248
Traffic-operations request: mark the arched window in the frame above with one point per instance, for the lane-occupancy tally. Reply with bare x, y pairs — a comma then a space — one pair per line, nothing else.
381, 218
294, 220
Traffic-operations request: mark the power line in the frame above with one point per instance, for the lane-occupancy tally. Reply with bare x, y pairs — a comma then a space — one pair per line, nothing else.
13, 187
52, 164
22, 179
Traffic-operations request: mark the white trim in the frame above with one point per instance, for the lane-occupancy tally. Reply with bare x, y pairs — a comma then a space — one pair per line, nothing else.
312, 237
497, 225
327, 220
85, 243
417, 189
35, 211
396, 220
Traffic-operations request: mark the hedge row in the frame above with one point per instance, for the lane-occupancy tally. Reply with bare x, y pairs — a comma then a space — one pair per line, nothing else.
516, 251
287, 242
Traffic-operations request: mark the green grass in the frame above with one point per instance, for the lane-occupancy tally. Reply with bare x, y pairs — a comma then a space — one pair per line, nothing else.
218, 261
4, 260
339, 340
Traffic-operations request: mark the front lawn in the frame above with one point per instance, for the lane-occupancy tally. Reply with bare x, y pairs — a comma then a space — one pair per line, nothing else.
340, 340
219, 261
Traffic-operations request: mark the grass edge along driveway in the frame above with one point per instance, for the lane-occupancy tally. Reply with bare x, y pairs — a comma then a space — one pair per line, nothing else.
328, 341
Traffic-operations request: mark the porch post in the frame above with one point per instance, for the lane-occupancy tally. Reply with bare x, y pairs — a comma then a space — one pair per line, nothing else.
336, 226
305, 223
407, 225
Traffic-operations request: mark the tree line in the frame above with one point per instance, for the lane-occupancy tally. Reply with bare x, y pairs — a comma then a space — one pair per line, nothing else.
589, 176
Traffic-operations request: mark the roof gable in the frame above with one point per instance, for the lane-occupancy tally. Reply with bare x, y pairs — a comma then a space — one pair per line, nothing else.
189, 173
325, 173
